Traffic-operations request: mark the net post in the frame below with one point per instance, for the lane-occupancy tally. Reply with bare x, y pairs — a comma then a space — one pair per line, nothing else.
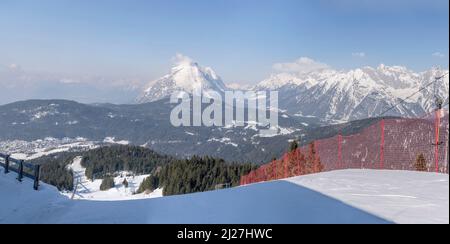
285, 165
299, 169
436, 144
339, 164
382, 127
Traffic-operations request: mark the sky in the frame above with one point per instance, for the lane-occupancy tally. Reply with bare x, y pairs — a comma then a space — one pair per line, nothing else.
243, 40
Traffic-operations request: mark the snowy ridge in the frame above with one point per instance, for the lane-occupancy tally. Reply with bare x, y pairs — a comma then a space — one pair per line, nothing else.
356, 94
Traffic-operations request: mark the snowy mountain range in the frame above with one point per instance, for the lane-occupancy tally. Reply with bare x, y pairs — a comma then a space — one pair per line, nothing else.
327, 94
361, 93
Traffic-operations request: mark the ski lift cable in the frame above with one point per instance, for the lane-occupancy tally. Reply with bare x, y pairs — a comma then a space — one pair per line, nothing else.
415, 93
445, 105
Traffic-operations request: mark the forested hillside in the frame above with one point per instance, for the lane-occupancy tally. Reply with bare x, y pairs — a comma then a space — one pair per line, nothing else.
176, 176
197, 174
54, 169
105, 161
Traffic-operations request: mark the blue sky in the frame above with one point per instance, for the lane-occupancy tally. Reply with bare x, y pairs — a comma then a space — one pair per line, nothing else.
240, 39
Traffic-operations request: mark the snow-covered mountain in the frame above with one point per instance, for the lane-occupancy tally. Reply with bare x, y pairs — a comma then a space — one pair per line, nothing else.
186, 75
333, 95
327, 94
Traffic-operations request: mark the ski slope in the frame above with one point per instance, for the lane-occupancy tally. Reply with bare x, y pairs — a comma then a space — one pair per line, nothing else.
401, 196
347, 196
90, 190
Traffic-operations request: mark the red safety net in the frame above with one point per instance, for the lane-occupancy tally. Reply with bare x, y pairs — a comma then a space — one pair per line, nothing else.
394, 144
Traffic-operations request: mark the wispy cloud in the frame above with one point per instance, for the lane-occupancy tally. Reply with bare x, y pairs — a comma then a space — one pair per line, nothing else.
14, 67
21, 84
180, 59
359, 54
302, 65
438, 55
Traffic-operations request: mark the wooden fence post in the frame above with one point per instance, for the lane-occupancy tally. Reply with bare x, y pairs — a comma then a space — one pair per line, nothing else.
20, 177
37, 169
7, 164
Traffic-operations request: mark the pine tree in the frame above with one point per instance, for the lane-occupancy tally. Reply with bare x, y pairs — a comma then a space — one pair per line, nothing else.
125, 183
421, 163
312, 162
309, 160
293, 146
298, 162
318, 166
107, 183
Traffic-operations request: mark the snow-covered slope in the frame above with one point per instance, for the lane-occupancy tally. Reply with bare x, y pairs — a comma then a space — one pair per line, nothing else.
333, 197
186, 75
356, 94
399, 196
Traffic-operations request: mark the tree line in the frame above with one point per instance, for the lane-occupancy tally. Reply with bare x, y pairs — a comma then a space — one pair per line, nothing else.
106, 161
196, 174
54, 170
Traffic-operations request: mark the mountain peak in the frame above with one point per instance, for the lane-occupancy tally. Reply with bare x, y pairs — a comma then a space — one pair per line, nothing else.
185, 75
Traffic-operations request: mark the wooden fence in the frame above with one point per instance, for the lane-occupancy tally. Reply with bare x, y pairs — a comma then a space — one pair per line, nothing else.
22, 168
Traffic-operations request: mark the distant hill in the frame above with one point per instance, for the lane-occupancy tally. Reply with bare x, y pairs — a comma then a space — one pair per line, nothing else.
149, 125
